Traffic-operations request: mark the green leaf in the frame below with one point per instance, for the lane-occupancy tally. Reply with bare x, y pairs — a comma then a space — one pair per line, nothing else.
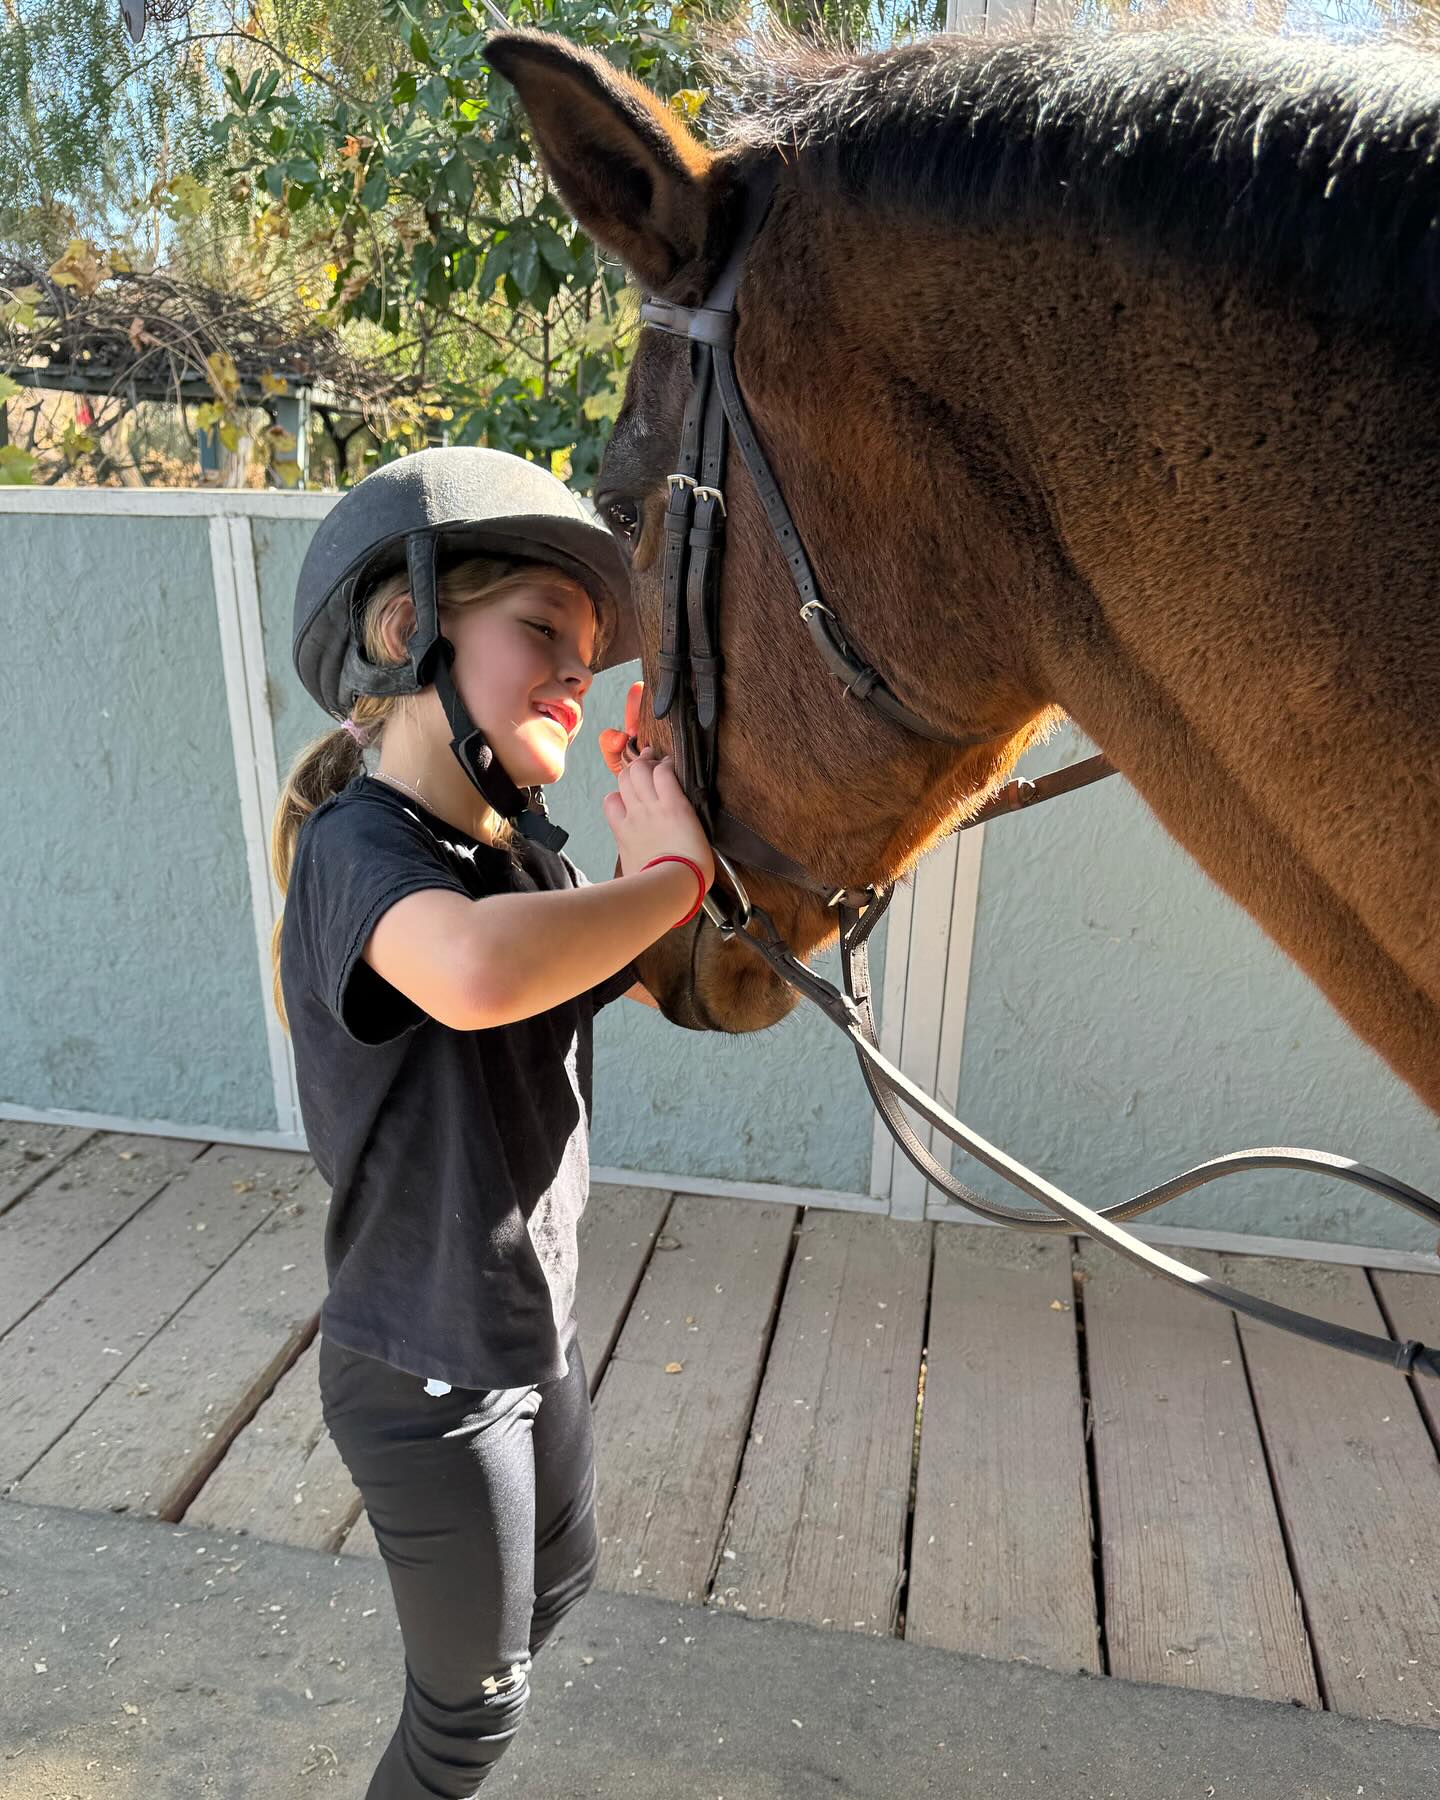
17, 466
402, 89
420, 48
456, 177
554, 250
376, 191
434, 94
525, 264
8, 388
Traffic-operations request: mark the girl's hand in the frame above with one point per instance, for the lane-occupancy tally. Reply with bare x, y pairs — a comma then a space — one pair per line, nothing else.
612, 742
650, 816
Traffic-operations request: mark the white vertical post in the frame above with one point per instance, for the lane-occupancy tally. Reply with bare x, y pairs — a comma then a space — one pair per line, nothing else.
237, 605
989, 15
922, 1019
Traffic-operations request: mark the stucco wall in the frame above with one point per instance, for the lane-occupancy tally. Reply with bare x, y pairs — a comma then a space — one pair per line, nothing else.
129, 968
1124, 1019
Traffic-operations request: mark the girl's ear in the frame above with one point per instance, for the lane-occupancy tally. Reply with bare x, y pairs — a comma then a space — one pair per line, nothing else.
397, 627
624, 164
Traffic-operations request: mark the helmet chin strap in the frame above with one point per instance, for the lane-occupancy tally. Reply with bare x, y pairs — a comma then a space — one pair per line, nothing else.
431, 654
523, 807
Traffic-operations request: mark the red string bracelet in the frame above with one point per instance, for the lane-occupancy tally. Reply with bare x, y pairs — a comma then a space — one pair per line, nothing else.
696, 871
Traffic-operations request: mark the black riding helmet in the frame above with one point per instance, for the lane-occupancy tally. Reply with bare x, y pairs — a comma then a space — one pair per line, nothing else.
424, 513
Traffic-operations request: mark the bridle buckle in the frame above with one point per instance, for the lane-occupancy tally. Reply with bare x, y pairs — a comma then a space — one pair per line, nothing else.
725, 925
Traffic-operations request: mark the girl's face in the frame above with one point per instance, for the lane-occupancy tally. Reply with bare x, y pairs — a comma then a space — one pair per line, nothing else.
522, 666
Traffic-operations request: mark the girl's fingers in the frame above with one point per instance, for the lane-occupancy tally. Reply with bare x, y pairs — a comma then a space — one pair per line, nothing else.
637, 778
632, 709
667, 782
613, 807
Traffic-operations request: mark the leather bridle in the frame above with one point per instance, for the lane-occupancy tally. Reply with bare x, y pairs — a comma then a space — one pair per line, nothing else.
688, 693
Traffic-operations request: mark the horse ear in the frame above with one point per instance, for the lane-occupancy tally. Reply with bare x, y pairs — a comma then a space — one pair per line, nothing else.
626, 167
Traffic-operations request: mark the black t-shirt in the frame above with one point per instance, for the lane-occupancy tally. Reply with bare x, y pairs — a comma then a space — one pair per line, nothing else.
458, 1160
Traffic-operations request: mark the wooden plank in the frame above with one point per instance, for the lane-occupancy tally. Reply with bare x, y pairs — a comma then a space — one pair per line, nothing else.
282, 1478
1000, 1561
148, 1442
1198, 1591
668, 1444
1412, 1304
817, 1529
74, 1208
30, 1153
87, 1333
1359, 1491
618, 1230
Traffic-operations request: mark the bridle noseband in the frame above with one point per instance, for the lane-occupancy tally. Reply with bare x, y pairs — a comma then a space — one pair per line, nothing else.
688, 693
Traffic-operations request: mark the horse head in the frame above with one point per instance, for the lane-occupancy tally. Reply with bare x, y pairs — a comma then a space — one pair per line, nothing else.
845, 793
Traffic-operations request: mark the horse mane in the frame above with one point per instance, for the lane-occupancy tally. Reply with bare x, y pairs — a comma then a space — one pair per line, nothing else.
1307, 167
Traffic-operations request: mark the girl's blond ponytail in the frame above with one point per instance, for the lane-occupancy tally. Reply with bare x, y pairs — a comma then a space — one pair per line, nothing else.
323, 769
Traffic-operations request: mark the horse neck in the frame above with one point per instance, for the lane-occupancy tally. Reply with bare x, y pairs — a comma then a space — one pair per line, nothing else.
1199, 522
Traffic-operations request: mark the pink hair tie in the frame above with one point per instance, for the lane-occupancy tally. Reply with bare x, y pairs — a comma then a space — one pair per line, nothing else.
360, 733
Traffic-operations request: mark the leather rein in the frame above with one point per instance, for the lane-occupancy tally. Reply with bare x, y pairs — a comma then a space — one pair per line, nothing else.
687, 692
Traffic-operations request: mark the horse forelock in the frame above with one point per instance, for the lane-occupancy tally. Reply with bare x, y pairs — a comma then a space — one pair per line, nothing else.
1311, 167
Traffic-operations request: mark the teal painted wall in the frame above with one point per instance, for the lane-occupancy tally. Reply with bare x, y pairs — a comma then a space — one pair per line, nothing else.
129, 978
1126, 1020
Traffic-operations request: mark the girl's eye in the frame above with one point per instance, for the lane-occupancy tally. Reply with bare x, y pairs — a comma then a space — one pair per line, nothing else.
540, 625
623, 518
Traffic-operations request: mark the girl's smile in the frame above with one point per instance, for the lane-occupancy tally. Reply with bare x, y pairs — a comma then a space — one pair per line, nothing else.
522, 665
522, 668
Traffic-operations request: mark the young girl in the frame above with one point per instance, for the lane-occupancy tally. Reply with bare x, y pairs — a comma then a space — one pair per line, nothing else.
439, 964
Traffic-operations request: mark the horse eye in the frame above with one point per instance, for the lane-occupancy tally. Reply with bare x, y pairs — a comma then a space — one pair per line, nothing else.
623, 518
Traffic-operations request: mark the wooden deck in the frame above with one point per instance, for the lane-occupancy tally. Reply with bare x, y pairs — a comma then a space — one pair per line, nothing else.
1098, 1474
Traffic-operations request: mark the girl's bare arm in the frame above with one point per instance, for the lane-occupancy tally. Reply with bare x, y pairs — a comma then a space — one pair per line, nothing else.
473, 964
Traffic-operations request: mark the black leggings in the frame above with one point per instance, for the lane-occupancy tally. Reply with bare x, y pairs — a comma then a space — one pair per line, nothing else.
483, 1504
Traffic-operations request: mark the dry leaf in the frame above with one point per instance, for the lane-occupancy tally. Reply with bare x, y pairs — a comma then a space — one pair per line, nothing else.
81, 267
674, 1368
224, 376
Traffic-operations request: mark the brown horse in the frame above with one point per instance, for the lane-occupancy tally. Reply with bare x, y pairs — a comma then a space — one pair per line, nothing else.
1101, 376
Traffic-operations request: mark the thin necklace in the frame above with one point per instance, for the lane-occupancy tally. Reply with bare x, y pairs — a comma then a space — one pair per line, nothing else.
396, 782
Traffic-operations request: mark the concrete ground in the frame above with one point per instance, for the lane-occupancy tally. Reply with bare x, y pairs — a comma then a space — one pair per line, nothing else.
149, 1662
